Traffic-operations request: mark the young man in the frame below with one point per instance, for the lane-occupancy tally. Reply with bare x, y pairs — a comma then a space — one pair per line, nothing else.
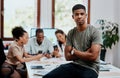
39, 44
82, 47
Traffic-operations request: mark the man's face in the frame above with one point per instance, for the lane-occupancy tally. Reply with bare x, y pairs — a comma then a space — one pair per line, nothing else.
79, 16
40, 37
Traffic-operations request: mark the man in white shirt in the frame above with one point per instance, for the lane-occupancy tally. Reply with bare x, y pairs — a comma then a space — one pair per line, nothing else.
39, 44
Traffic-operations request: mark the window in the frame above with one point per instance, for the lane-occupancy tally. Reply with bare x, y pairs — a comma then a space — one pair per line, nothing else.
19, 13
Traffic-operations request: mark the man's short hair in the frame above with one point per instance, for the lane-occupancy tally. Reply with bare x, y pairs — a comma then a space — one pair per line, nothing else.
78, 6
39, 30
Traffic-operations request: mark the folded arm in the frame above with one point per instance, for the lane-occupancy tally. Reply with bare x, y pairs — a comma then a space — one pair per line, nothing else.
90, 55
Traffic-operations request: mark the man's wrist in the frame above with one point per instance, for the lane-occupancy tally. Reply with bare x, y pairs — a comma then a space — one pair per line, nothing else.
72, 52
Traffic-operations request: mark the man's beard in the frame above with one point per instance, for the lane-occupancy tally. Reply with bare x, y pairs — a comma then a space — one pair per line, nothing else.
39, 42
80, 23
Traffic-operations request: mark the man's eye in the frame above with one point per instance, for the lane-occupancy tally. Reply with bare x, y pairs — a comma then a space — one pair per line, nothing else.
82, 13
76, 14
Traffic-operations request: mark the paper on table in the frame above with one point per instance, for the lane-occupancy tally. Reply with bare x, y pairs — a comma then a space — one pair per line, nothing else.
41, 73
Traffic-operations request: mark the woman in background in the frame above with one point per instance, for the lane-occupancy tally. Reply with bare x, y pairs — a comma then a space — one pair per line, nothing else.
61, 42
17, 56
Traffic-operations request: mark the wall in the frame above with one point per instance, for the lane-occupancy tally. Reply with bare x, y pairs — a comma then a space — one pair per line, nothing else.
109, 10
117, 18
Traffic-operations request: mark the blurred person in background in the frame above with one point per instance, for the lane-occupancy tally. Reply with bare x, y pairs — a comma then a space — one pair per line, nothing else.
61, 42
39, 44
16, 57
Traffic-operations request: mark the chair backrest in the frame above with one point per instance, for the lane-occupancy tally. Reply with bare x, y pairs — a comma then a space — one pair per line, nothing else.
2, 54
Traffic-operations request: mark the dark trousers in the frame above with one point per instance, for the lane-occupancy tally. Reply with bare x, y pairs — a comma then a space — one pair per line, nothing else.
10, 70
71, 70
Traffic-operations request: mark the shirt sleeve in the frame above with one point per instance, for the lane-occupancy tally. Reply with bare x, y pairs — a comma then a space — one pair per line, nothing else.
15, 51
97, 37
69, 39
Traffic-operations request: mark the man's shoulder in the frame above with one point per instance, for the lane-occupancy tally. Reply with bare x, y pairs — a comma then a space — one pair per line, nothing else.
32, 41
71, 31
46, 39
92, 29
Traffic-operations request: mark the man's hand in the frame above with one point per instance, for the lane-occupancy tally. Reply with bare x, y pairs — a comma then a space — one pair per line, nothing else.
48, 55
39, 56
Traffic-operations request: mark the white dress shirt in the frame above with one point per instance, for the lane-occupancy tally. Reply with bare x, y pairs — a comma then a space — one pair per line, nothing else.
33, 47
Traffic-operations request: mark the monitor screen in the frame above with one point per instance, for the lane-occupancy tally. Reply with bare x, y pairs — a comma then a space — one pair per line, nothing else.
48, 32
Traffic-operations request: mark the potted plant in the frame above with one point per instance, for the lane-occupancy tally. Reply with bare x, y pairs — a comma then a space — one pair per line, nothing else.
110, 35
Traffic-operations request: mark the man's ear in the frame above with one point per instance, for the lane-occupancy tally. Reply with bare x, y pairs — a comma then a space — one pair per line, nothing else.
86, 15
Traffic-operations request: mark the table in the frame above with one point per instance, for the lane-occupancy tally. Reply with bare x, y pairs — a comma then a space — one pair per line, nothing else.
113, 72
47, 64
52, 63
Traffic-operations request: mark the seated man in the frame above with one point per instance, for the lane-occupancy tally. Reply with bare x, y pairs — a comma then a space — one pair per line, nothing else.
39, 44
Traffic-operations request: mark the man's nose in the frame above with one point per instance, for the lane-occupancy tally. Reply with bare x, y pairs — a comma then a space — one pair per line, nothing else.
79, 15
